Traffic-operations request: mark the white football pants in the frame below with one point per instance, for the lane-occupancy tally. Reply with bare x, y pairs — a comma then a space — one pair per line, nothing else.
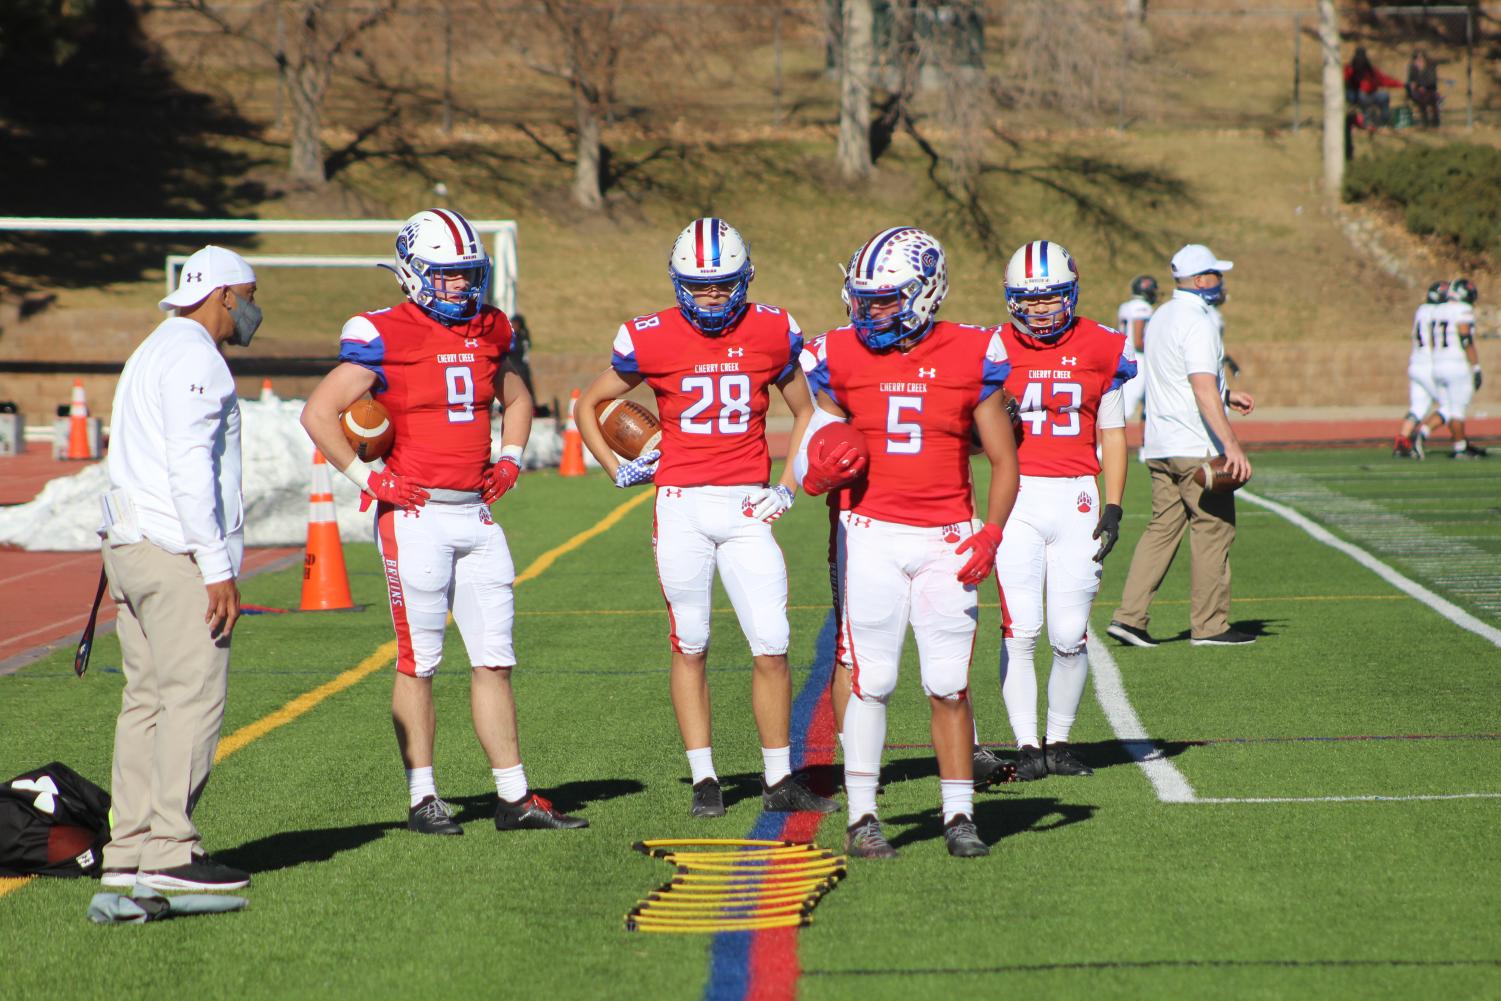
1455, 383
1421, 392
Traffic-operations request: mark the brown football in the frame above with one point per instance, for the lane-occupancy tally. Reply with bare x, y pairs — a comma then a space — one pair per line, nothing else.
629, 428
367, 428
1213, 477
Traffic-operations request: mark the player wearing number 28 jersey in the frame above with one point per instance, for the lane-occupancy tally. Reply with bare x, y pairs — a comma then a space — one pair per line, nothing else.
1066, 372
711, 362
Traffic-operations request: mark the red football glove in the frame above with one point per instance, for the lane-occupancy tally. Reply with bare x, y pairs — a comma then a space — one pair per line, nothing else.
840, 466
984, 543
499, 478
398, 491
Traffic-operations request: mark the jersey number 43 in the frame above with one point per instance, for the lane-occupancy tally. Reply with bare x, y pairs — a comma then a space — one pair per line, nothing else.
1064, 399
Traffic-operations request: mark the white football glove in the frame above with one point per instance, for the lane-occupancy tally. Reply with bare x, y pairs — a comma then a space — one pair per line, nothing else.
768, 503
641, 469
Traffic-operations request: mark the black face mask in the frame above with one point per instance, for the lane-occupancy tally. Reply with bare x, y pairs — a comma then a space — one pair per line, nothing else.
247, 319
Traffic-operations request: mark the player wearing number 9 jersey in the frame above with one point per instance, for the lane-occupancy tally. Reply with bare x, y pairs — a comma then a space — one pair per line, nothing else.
910, 547
1066, 372
711, 361
437, 362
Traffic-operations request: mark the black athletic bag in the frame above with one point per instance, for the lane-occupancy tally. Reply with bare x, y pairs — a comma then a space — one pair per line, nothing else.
53, 822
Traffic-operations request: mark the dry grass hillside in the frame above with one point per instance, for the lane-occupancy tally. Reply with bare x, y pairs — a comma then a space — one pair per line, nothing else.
1207, 155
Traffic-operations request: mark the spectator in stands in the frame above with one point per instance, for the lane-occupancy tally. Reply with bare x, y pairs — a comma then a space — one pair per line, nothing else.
521, 352
1363, 89
1422, 88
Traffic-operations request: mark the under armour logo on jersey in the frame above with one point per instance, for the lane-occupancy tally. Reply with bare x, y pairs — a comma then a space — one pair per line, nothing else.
735, 352
927, 373
1069, 361
471, 342
191, 277
672, 492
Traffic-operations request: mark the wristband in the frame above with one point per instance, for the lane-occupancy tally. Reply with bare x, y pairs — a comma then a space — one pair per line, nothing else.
512, 452
358, 473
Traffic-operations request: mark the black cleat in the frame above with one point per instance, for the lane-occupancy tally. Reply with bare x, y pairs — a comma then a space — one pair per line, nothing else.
1475, 451
1061, 761
863, 839
1129, 634
708, 799
963, 839
432, 816
1230, 637
533, 813
991, 770
790, 796
1031, 764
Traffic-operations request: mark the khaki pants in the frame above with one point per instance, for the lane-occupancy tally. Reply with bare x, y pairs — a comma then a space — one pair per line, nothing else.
1178, 503
176, 676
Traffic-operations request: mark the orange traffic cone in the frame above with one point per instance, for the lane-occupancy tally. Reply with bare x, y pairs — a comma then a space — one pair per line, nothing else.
78, 425
268, 395
573, 444
325, 582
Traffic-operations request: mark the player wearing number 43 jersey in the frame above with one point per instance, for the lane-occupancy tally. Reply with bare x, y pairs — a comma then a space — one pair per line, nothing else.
911, 549
711, 361
1067, 372
436, 362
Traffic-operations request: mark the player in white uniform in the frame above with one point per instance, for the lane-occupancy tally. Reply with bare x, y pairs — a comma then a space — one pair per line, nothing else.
1131, 319
1421, 392
1456, 365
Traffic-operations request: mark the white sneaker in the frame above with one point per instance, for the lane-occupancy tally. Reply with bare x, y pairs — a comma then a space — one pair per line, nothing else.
118, 879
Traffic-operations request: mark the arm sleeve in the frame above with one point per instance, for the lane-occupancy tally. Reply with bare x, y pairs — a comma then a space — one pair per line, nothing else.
995, 368
193, 394
1125, 366
360, 343
821, 418
794, 351
1112, 409
623, 353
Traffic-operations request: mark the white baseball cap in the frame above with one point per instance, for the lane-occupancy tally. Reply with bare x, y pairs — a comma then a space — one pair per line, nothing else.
211, 268
1195, 259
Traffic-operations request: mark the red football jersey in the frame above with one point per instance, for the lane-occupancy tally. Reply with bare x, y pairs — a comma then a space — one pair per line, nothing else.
915, 409
712, 392
1059, 385
438, 383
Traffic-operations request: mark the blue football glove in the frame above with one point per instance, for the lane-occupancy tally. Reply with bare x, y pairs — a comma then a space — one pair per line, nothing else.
767, 504
641, 469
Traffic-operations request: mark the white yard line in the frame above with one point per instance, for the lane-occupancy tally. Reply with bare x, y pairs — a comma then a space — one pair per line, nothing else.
1346, 799
1170, 784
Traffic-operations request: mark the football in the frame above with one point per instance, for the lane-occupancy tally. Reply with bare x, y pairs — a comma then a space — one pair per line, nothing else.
367, 428
1212, 476
629, 428
832, 434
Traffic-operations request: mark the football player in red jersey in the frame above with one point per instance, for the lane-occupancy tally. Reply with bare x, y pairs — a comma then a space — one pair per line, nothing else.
911, 547
1067, 372
711, 360
436, 362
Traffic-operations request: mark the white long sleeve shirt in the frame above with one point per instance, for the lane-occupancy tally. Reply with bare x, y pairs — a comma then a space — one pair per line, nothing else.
174, 451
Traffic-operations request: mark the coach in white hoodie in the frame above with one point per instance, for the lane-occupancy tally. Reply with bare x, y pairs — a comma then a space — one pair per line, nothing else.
173, 539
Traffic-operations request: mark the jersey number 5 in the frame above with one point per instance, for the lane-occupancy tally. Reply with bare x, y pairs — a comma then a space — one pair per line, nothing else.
1067, 410
903, 437
733, 391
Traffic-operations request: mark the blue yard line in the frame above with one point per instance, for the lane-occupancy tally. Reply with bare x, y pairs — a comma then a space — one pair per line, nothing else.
729, 952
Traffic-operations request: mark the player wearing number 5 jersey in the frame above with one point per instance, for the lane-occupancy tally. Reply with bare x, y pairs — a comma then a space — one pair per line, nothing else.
711, 361
1067, 372
437, 362
914, 387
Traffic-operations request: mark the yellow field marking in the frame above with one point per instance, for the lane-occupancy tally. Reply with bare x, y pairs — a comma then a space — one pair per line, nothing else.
383, 655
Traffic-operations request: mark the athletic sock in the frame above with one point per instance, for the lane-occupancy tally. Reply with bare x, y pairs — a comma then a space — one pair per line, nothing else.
1422, 432
701, 761
1019, 687
958, 797
420, 784
1459, 445
510, 783
1065, 691
864, 739
778, 763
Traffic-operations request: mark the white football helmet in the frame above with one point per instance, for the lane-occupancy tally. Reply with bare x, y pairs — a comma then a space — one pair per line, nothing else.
441, 242
904, 262
710, 251
1038, 270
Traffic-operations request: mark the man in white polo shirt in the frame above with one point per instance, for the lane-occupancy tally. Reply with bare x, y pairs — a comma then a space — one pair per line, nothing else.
1186, 424
173, 541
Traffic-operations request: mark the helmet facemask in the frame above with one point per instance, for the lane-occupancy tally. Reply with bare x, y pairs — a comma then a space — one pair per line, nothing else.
712, 320
1043, 326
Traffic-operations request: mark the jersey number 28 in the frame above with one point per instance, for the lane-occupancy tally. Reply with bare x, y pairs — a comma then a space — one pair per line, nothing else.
733, 392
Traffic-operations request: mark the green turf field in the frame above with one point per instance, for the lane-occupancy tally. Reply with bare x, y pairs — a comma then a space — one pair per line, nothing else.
1096, 888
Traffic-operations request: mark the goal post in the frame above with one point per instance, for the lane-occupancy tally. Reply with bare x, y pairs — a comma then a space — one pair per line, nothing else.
500, 235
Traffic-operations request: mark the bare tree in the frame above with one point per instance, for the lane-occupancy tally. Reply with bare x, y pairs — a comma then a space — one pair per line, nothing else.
856, 66
1064, 55
1334, 100
307, 40
1136, 10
